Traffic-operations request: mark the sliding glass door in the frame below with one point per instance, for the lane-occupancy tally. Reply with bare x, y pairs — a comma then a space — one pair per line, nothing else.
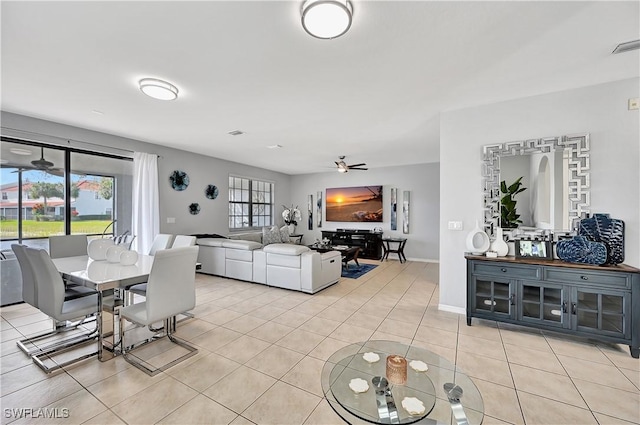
55, 191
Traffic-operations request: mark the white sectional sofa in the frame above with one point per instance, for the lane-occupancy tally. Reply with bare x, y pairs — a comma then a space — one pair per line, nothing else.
281, 265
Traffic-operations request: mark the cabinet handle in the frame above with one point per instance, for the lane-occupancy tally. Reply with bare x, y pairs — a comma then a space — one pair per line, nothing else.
564, 306
573, 308
584, 277
512, 299
503, 270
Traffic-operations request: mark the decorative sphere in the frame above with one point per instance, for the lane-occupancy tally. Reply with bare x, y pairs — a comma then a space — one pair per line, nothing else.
97, 248
128, 258
113, 253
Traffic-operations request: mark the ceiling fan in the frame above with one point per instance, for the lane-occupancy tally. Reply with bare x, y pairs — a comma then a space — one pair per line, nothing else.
38, 164
343, 167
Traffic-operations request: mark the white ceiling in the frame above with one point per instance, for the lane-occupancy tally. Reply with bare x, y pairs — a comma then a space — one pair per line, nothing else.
373, 95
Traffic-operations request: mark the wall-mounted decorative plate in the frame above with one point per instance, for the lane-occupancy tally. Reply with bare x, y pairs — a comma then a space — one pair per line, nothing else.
194, 208
179, 180
211, 191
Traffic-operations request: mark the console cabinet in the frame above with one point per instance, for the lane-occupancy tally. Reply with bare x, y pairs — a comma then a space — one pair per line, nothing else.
370, 243
591, 301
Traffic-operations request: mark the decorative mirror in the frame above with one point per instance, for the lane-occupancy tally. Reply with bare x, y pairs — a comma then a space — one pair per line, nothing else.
555, 172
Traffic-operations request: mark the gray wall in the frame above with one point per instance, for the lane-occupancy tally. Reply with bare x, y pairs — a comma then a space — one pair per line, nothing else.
202, 170
422, 180
615, 162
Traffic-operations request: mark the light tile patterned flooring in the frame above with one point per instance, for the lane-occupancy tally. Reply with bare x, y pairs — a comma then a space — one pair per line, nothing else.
262, 350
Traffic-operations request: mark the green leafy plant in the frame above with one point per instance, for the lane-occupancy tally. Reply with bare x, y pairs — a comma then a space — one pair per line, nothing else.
509, 218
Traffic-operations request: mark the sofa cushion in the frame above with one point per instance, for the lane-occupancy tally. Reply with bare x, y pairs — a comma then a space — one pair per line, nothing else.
271, 235
286, 249
244, 245
247, 236
211, 241
239, 255
284, 234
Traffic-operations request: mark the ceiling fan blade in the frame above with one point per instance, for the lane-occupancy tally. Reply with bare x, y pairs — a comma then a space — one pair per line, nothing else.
362, 169
337, 163
357, 165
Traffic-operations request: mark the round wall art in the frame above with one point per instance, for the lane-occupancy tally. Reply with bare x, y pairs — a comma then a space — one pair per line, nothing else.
211, 191
179, 180
194, 208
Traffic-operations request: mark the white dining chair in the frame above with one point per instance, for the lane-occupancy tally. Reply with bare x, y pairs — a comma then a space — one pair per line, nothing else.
33, 344
161, 241
182, 240
68, 245
53, 303
170, 291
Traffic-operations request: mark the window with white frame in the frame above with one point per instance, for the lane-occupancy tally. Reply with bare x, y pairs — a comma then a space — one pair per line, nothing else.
250, 203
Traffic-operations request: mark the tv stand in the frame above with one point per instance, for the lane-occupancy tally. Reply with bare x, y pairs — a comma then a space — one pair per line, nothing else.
370, 243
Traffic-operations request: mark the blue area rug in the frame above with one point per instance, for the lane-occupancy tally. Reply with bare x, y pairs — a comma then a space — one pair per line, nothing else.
354, 272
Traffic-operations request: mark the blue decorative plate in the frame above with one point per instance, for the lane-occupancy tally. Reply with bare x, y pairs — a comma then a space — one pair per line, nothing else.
581, 250
610, 231
194, 208
211, 191
179, 180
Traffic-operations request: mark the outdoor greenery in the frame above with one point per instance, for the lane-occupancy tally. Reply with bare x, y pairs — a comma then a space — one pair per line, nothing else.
32, 228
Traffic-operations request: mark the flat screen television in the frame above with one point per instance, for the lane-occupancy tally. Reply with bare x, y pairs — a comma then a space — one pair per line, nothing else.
359, 204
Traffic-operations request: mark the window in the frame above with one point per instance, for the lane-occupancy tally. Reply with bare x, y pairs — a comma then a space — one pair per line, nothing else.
250, 203
100, 192
4, 196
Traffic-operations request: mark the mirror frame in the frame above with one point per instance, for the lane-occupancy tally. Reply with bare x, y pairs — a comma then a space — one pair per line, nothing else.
578, 146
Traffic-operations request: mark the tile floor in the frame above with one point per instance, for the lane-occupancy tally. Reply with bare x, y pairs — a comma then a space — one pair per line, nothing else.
261, 351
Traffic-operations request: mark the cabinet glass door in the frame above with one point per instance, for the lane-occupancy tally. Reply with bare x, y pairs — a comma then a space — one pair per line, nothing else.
542, 303
604, 312
493, 296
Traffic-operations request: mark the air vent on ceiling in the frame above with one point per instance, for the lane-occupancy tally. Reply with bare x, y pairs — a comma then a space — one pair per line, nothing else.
236, 132
626, 47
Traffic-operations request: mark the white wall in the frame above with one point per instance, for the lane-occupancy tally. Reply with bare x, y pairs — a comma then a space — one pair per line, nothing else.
202, 170
615, 162
422, 180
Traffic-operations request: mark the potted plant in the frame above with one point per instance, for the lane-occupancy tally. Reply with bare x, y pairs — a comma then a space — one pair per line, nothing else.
509, 218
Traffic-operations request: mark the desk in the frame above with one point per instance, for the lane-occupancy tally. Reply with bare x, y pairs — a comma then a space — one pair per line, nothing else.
429, 387
386, 245
103, 276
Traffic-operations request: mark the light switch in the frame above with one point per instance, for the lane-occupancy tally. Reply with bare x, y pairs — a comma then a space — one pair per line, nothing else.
455, 225
171, 220
634, 104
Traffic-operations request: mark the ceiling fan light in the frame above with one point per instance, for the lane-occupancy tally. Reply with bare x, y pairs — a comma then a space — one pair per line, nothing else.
326, 19
158, 89
342, 170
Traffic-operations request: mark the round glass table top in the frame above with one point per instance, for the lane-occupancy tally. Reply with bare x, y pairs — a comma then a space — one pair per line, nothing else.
382, 402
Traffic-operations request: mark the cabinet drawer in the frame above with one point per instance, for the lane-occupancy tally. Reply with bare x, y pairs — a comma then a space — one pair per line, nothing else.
619, 280
507, 270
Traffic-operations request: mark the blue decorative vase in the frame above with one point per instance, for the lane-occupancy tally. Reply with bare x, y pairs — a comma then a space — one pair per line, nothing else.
581, 250
610, 231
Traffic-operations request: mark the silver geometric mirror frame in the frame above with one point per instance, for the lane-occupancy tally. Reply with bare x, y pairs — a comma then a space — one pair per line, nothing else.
577, 146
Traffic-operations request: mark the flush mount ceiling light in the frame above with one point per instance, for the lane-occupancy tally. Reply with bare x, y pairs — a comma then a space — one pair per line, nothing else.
326, 19
158, 89
626, 47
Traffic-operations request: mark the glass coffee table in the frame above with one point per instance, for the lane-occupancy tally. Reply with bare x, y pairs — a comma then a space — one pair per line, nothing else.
447, 394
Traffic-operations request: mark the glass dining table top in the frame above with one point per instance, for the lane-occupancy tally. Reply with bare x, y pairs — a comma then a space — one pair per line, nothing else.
377, 406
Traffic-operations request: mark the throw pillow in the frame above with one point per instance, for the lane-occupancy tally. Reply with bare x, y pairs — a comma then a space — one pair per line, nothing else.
270, 235
284, 234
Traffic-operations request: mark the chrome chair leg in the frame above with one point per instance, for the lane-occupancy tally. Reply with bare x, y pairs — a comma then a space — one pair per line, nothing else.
60, 328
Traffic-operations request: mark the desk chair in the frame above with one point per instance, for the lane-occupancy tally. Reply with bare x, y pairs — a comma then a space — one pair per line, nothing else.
351, 255
52, 302
171, 290
30, 296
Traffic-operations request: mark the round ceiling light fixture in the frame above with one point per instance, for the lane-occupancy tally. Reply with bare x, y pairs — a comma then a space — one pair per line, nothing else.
158, 89
326, 19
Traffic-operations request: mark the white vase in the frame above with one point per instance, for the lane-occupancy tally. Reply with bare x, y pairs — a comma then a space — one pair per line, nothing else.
499, 245
478, 241
113, 253
128, 258
97, 248
292, 229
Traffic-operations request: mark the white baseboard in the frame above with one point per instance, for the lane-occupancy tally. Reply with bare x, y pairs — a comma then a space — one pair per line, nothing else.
452, 309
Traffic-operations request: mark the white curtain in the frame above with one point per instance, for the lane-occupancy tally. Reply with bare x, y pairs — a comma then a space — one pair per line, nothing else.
146, 200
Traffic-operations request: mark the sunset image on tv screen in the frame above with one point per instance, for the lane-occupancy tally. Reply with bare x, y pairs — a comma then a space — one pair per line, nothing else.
362, 203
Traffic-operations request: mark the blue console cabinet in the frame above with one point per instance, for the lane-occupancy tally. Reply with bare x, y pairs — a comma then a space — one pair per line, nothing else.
597, 302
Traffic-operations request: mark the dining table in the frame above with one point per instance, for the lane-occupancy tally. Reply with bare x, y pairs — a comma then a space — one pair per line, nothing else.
108, 279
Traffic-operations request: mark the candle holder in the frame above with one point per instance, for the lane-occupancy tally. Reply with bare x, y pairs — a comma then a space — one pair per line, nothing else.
396, 369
